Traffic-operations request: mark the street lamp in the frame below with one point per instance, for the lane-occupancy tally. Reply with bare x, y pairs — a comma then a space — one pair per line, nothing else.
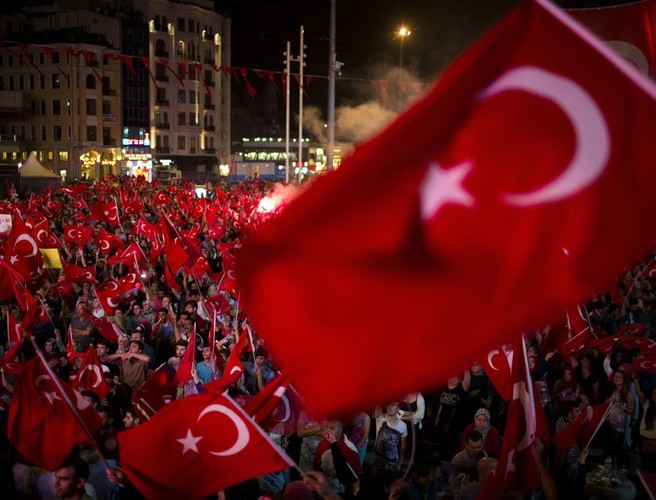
403, 33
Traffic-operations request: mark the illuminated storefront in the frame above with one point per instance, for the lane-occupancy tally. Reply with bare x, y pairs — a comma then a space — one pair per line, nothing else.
137, 160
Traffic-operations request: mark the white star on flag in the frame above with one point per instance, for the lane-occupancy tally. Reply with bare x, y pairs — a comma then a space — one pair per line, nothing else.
50, 396
440, 187
189, 442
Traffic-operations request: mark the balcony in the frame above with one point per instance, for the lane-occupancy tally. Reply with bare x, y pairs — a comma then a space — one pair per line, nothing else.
210, 107
162, 149
162, 78
161, 102
109, 117
209, 128
162, 53
165, 126
210, 150
109, 92
109, 142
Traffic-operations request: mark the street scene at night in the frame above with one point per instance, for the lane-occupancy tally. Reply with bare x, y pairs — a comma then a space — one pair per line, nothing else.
313, 249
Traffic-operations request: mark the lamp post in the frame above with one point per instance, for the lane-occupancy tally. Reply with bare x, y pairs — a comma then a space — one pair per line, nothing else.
403, 33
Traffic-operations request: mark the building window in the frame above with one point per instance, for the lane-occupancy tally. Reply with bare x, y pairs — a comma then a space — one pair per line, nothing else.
56, 107
33, 132
192, 118
191, 26
32, 82
63, 155
181, 142
44, 136
21, 82
56, 81
192, 97
91, 107
181, 119
91, 82
43, 107
181, 96
106, 108
92, 134
56, 133
181, 49
42, 81
181, 24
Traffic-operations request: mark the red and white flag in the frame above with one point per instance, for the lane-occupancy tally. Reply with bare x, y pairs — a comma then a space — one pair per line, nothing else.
185, 432
108, 293
517, 469
78, 274
42, 425
497, 365
158, 390
90, 376
509, 175
20, 249
583, 428
107, 241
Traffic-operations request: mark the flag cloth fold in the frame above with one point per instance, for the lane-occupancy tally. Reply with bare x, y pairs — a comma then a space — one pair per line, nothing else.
207, 437
493, 194
41, 425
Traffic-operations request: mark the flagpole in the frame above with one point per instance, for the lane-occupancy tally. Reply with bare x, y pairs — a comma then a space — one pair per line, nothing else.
603, 419
69, 403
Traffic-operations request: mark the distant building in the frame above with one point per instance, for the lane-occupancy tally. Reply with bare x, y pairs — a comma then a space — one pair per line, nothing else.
100, 87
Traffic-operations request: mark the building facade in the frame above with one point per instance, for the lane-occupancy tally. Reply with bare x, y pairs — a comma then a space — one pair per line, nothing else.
97, 88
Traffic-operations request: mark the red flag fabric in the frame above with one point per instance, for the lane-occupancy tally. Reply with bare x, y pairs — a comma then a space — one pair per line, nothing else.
78, 274
595, 417
90, 376
81, 235
582, 429
626, 28
108, 295
497, 366
645, 364
429, 232
185, 431
183, 375
158, 390
176, 255
104, 326
20, 249
132, 256
517, 469
107, 241
41, 424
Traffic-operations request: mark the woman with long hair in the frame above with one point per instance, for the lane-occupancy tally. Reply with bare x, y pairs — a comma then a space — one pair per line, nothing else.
621, 410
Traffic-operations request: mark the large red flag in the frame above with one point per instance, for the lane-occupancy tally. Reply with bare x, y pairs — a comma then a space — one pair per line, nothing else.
90, 376
20, 249
183, 375
497, 366
509, 175
583, 428
41, 424
78, 274
158, 390
185, 432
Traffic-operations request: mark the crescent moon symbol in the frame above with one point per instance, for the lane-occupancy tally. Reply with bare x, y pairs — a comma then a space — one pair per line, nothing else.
114, 285
231, 275
80, 401
243, 435
111, 303
30, 240
631, 53
104, 245
93, 369
38, 380
592, 136
285, 402
490, 355
38, 235
642, 365
235, 369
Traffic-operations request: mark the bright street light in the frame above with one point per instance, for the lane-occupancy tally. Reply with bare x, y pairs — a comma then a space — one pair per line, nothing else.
403, 33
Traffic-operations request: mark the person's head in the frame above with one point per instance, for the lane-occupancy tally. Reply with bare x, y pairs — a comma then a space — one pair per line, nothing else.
335, 427
486, 467
261, 356
207, 353
426, 470
123, 342
482, 418
136, 309
81, 307
619, 378
162, 313
102, 348
136, 346
191, 307
138, 334
131, 418
71, 476
166, 302
474, 443
50, 345
181, 348
571, 410
392, 408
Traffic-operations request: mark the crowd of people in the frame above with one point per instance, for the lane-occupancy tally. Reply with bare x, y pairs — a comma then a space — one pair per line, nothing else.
447, 443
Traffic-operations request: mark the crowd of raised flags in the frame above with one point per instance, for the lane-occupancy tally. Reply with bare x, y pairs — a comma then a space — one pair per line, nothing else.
515, 189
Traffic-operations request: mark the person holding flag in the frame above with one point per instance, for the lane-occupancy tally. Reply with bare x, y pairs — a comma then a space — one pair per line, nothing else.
570, 477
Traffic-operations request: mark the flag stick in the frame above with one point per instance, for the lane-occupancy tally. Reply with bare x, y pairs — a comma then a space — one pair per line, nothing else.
68, 402
603, 419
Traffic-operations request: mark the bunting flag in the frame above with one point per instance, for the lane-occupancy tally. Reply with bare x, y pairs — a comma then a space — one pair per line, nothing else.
185, 432
429, 232
45, 414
